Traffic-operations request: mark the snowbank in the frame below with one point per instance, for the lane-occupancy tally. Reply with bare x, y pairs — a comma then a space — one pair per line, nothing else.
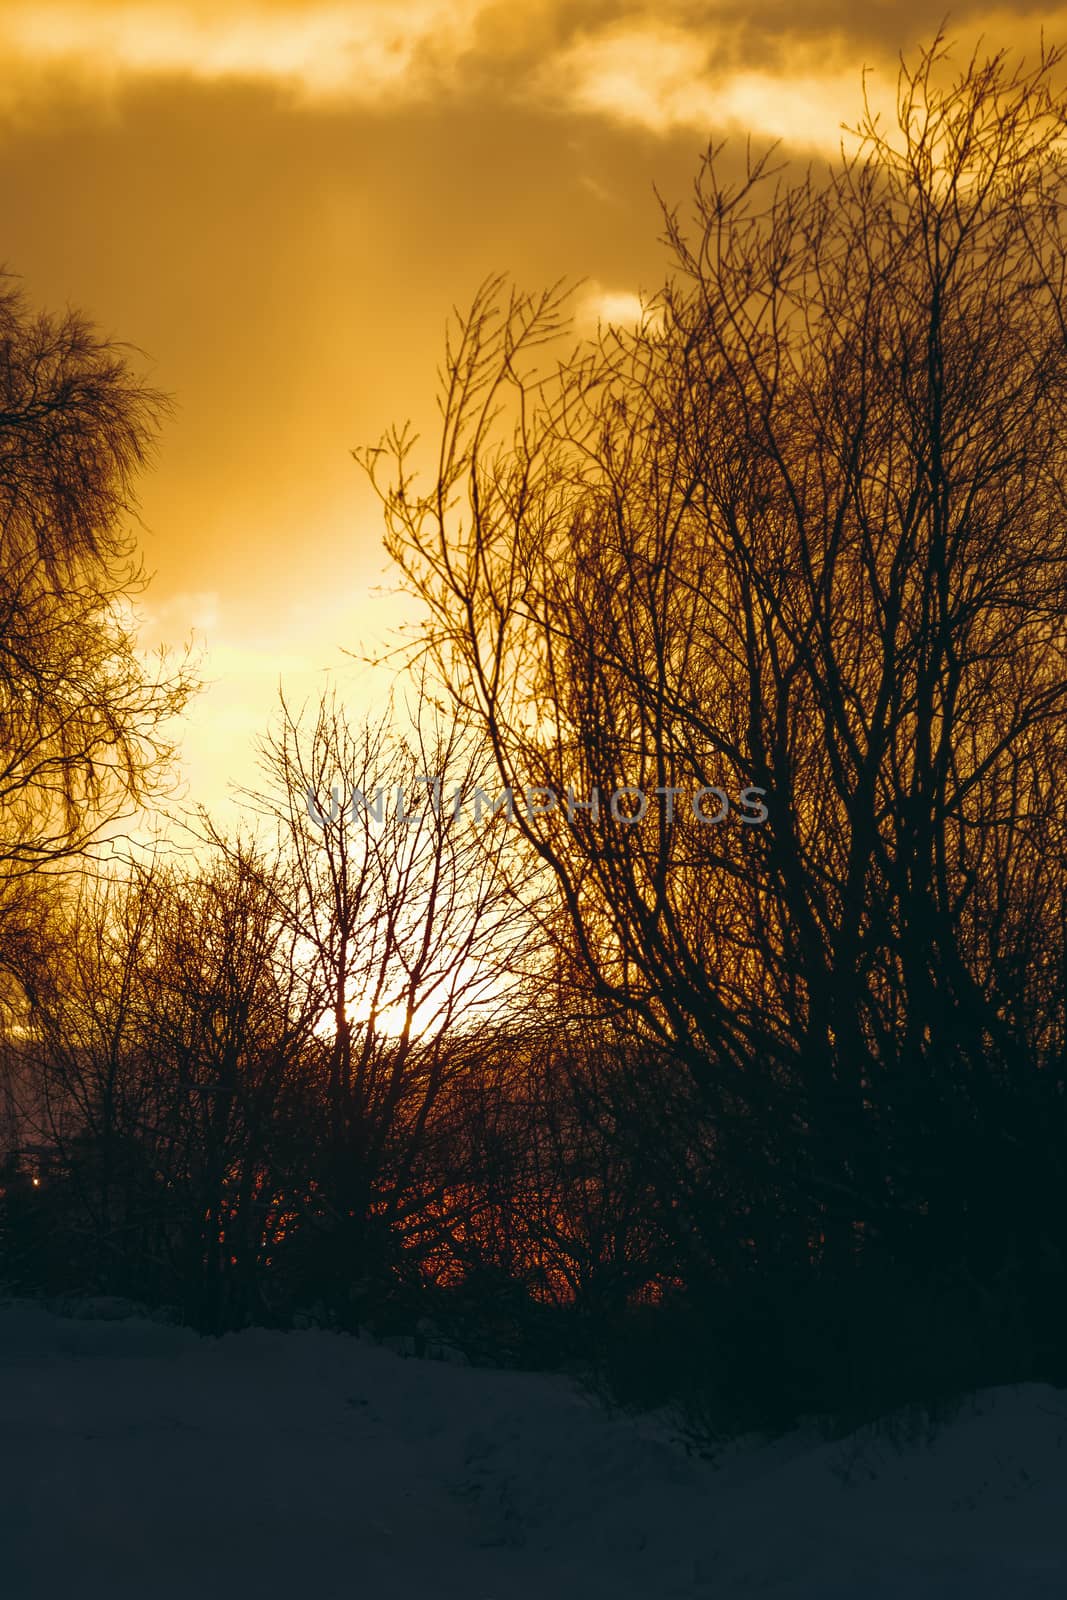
141, 1461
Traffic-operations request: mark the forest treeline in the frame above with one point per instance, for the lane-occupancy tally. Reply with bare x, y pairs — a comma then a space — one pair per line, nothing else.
761, 1120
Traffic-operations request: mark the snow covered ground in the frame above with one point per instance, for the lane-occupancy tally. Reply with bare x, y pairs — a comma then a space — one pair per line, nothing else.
141, 1461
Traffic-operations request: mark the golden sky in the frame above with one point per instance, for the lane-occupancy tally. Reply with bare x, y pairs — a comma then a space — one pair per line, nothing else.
280, 202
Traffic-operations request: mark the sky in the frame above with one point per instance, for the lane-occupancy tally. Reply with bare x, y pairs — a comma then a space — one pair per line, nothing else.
279, 203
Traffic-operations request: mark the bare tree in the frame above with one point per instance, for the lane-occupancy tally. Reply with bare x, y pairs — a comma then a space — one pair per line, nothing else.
84, 737
83, 718
83, 1082
230, 1033
803, 530
410, 938
164, 1073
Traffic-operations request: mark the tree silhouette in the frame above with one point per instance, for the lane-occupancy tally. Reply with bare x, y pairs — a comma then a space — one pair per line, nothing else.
409, 935
83, 717
803, 529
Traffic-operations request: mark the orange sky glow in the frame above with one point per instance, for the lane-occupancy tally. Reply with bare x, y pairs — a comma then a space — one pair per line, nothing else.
279, 204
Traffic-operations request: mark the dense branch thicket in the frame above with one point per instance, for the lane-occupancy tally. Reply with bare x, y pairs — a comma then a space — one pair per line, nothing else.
767, 1114
804, 530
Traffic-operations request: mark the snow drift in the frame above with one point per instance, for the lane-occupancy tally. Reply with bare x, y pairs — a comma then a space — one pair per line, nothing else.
140, 1460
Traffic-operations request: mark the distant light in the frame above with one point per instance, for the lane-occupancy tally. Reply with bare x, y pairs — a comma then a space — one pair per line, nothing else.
36, 1183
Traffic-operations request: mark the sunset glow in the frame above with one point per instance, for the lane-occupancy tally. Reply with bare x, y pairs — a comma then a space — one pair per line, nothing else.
280, 203
533, 867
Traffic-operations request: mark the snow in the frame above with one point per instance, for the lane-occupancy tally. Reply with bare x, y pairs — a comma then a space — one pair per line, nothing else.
140, 1460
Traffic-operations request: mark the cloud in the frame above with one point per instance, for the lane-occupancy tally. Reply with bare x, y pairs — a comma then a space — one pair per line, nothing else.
664, 78
679, 67
357, 53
